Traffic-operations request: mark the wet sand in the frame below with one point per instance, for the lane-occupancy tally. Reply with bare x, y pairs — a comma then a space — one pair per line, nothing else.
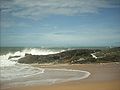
104, 76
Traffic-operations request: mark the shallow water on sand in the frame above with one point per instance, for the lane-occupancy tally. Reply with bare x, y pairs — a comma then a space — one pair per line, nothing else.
27, 75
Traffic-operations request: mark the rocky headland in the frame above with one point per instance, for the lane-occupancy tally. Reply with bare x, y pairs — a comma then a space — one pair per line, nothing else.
75, 56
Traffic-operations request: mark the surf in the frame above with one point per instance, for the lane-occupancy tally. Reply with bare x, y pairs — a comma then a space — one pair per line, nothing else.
15, 74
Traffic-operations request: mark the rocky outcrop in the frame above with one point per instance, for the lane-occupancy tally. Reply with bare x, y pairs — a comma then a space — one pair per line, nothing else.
70, 56
109, 55
75, 56
13, 57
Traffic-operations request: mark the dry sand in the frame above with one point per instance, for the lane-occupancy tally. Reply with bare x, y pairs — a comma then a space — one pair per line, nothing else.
104, 76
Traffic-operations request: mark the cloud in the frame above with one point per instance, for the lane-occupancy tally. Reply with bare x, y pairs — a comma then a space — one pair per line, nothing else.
38, 9
7, 24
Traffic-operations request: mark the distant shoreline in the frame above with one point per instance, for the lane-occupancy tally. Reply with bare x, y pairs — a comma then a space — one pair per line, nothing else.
84, 47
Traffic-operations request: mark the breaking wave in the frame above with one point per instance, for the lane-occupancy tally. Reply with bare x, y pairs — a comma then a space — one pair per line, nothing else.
5, 60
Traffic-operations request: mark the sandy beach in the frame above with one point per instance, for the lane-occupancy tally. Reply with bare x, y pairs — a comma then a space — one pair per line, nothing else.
60, 45
104, 76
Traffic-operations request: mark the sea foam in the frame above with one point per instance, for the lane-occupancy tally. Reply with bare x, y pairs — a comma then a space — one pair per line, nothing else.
5, 61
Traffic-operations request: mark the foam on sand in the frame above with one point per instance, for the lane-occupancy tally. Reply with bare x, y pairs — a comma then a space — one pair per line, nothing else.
37, 76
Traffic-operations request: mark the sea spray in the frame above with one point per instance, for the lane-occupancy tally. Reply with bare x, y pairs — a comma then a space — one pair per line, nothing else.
6, 61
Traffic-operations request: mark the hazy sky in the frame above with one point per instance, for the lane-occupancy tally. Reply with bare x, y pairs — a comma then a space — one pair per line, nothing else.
60, 22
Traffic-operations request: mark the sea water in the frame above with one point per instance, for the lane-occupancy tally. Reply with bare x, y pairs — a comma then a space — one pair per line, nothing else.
16, 74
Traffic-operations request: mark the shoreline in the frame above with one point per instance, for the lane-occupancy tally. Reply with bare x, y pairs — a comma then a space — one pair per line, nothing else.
104, 76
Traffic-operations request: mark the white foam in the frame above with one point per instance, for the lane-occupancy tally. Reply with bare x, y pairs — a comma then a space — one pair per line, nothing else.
94, 56
71, 70
45, 76
40, 71
35, 51
5, 61
19, 71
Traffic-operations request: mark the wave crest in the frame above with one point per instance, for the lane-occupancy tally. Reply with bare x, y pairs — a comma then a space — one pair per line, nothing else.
5, 60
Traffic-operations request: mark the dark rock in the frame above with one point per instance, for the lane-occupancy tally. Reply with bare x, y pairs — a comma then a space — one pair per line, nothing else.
13, 57
63, 57
75, 56
26, 54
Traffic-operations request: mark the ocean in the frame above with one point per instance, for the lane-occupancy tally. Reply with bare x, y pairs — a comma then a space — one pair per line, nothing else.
14, 73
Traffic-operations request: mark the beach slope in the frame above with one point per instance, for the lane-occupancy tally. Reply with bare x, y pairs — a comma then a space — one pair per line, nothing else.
104, 76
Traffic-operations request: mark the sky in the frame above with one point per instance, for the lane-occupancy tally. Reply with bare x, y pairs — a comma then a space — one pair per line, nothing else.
60, 23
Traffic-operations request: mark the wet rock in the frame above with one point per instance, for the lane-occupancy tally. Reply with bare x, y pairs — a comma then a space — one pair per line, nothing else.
13, 57
75, 56
26, 54
63, 57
